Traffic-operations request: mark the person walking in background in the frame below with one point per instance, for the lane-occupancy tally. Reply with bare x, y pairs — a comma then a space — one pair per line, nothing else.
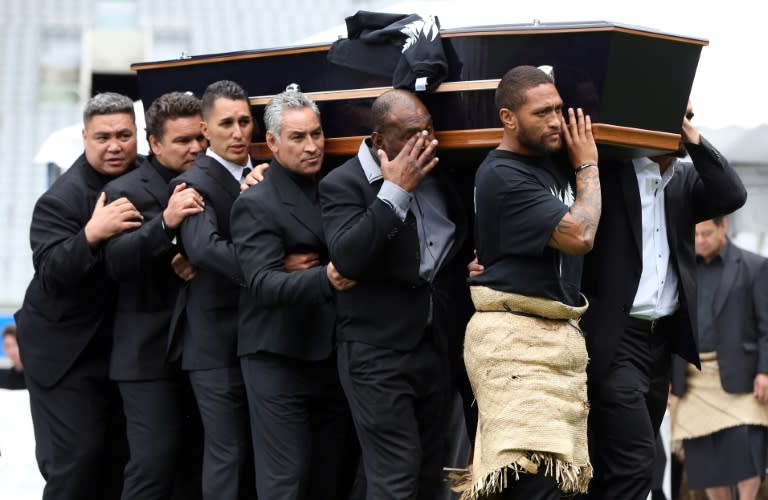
13, 377
722, 415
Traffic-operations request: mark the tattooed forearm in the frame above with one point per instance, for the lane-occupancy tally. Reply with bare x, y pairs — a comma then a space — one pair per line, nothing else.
575, 233
588, 204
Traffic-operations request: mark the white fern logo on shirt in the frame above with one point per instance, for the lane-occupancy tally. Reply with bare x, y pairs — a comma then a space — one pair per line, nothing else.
564, 195
414, 30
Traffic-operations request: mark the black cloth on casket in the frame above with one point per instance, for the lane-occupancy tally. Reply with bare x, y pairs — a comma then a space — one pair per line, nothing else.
406, 47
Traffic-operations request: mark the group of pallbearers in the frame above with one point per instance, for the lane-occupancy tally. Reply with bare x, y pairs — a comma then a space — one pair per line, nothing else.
321, 320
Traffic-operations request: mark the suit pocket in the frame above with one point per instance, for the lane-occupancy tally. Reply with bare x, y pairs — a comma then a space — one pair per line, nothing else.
749, 346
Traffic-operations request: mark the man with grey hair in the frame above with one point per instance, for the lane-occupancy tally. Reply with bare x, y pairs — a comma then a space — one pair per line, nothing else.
287, 319
65, 322
145, 263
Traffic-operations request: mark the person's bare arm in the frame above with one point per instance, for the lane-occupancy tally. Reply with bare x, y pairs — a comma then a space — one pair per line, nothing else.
575, 233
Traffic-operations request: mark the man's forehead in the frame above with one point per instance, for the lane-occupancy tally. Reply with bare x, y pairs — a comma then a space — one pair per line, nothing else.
299, 120
183, 121
544, 94
231, 106
111, 120
409, 117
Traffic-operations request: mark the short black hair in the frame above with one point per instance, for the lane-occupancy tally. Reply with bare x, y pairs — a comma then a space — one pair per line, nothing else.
718, 220
512, 89
168, 107
223, 88
9, 329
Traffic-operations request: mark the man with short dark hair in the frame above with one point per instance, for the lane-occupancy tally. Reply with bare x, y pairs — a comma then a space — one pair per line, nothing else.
535, 217
12, 377
142, 261
722, 416
206, 316
65, 323
299, 417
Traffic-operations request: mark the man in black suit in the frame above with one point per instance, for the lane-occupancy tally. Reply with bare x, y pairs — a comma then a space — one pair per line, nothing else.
143, 262
205, 320
65, 322
287, 319
398, 230
640, 280
725, 448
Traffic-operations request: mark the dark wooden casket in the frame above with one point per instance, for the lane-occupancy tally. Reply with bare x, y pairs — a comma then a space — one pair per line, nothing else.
633, 81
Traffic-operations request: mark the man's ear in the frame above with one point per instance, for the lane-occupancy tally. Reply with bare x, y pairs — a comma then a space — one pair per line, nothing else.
154, 144
272, 142
204, 129
377, 140
508, 118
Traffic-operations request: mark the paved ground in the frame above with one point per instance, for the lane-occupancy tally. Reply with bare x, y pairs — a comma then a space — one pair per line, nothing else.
19, 477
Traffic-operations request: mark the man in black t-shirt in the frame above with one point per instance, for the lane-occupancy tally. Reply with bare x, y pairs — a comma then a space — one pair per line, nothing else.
521, 199
525, 355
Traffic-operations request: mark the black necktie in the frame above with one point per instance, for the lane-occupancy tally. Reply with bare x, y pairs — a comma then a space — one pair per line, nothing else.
246, 171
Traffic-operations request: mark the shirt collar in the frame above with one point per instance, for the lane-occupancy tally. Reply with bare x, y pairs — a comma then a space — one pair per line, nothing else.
646, 166
166, 173
370, 166
233, 168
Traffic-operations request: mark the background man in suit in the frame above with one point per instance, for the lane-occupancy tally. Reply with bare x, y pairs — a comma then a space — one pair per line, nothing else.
640, 281
65, 322
13, 377
287, 319
207, 308
722, 416
143, 261
399, 232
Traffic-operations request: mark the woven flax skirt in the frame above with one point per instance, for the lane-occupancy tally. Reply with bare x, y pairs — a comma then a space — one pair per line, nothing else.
526, 359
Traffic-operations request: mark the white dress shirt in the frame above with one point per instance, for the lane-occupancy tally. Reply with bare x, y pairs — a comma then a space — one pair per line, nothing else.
233, 168
656, 295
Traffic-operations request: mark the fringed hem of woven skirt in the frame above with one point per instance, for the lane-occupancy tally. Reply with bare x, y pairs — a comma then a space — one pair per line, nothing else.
571, 478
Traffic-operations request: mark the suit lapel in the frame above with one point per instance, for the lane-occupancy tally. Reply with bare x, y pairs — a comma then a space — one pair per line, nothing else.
299, 206
628, 183
221, 175
154, 184
731, 267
